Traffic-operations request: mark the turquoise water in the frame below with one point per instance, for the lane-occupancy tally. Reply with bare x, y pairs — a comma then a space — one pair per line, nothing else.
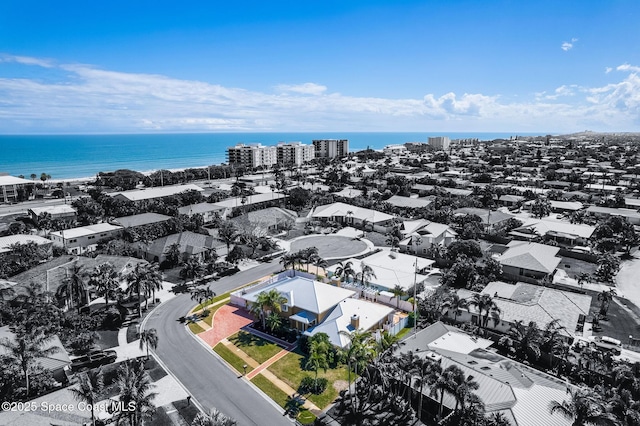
74, 156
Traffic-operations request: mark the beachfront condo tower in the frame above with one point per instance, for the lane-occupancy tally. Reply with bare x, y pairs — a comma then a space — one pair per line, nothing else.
331, 148
439, 143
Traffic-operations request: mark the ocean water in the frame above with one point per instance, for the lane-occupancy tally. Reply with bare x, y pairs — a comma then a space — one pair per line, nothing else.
80, 156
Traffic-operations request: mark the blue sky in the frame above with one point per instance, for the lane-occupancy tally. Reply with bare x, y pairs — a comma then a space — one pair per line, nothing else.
200, 66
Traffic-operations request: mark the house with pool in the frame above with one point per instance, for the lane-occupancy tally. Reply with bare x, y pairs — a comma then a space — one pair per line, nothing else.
313, 307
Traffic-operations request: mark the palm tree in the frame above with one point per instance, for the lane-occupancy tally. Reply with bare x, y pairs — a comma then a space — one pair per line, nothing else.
106, 280
318, 357
74, 289
486, 307
202, 294
173, 254
319, 262
192, 269
527, 338
605, 297
585, 407
464, 387
345, 270
358, 353
444, 383
228, 233
366, 273
89, 387
149, 338
139, 279
398, 291
288, 260
273, 321
427, 372
454, 303
24, 351
266, 303
135, 387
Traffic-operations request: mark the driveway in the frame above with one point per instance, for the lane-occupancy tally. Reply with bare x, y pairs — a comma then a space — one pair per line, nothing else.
227, 321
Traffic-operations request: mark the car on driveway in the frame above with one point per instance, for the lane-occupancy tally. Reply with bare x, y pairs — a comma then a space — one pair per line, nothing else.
93, 359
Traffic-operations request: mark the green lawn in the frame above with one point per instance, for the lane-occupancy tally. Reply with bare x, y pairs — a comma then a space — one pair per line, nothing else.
272, 391
305, 417
254, 346
404, 332
195, 328
234, 360
290, 369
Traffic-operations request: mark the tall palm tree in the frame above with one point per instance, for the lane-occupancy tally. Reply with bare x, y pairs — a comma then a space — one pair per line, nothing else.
366, 273
135, 387
318, 357
454, 303
605, 297
268, 302
74, 288
426, 372
345, 270
359, 351
585, 407
106, 280
444, 383
465, 385
202, 294
192, 269
527, 339
24, 351
398, 291
89, 387
139, 279
149, 338
319, 262
486, 307
173, 254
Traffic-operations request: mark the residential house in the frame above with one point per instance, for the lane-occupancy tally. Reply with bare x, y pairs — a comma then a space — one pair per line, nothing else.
526, 261
8, 241
189, 243
254, 201
10, 188
138, 220
491, 219
520, 393
59, 211
529, 302
312, 307
390, 270
408, 202
632, 215
85, 238
420, 235
352, 215
565, 233
57, 363
209, 211
148, 194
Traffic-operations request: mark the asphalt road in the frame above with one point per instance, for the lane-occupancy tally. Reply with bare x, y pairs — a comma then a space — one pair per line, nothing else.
211, 382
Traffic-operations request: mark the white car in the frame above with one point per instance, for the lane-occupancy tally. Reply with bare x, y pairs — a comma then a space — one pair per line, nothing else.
607, 343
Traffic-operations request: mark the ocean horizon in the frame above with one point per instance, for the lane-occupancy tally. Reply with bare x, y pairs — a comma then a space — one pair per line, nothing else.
84, 156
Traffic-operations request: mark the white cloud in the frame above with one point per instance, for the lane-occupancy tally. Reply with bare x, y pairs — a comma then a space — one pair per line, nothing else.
607, 70
568, 45
627, 67
95, 100
27, 60
305, 89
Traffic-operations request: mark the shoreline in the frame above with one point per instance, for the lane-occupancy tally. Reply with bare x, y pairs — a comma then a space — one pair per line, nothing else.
88, 179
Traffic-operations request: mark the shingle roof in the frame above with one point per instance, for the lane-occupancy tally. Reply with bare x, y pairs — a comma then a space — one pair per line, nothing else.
140, 219
531, 256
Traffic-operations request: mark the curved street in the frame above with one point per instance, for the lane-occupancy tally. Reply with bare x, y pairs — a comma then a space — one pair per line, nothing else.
208, 379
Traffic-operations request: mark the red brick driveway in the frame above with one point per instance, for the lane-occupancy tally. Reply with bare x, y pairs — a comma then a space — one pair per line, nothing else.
227, 321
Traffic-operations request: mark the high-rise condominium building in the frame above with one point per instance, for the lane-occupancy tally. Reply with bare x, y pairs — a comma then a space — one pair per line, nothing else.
440, 143
294, 153
256, 155
331, 148
252, 155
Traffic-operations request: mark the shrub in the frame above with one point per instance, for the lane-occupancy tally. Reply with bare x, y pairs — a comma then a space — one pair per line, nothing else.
311, 385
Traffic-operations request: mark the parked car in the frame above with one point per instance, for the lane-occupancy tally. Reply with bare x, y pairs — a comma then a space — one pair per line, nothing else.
93, 359
607, 343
